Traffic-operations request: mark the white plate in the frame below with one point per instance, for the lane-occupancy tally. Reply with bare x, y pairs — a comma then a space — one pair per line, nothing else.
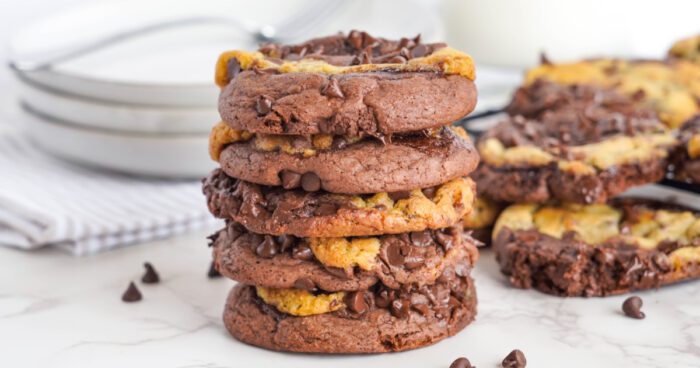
169, 156
175, 67
114, 116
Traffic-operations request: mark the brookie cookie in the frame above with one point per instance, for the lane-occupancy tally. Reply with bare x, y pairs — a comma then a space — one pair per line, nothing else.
351, 85
277, 211
413, 160
576, 143
479, 221
341, 264
597, 250
686, 160
374, 321
687, 48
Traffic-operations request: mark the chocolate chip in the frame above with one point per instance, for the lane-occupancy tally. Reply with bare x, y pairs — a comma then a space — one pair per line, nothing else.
355, 39
421, 238
445, 240
151, 276
267, 248
213, 272
233, 68
339, 143
132, 294
326, 209
413, 262
305, 283
286, 242
290, 179
429, 192
397, 196
303, 253
355, 301
421, 308
383, 298
405, 53
400, 308
310, 182
516, 359
263, 105
419, 51
398, 59
339, 272
332, 89
632, 307
393, 254
461, 363
662, 262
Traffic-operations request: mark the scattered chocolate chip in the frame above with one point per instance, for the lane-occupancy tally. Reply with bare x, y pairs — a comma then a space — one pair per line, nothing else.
267, 248
516, 359
332, 89
400, 308
305, 283
233, 68
419, 51
151, 276
461, 363
355, 301
290, 179
303, 253
310, 182
632, 307
397, 196
421, 238
132, 294
213, 272
263, 105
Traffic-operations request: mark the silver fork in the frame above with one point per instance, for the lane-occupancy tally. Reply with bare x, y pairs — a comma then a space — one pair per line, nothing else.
289, 30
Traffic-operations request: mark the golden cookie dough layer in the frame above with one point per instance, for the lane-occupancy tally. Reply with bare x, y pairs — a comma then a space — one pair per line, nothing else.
687, 48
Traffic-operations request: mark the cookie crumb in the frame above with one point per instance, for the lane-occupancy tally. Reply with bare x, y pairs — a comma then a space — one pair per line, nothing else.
132, 294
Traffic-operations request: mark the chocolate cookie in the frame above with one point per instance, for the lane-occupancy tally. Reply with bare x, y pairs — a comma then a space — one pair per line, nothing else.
277, 211
341, 264
598, 250
671, 88
575, 143
376, 321
686, 159
345, 85
368, 166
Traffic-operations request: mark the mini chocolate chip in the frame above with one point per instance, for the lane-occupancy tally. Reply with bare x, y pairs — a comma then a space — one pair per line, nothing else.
303, 253
400, 308
383, 299
461, 363
421, 238
446, 240
213, 272
305, 283
632, 307
267, 248
398, 59
516, 359
132, 294
332, 89
397, 196
263, 105
286, 242
151, 276
326, 209
419, 50
356, 302
429, 192
233, 68
310, 182
290, 179
393, 254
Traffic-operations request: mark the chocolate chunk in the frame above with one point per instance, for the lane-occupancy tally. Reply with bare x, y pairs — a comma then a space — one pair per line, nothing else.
421, 238
332, 89
310, 182
400, 308
267, 248
286, 242
419, 51
516, 359
305, 283
397, 196
132, 294
290, 179
151, 276
303, 253
263, 105
213, 272
393, 254
632, 307
355, 301
461, 363
233, 68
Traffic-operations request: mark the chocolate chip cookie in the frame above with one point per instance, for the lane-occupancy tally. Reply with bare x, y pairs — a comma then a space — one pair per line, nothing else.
573, 143
598, 250
350, 85
277, 211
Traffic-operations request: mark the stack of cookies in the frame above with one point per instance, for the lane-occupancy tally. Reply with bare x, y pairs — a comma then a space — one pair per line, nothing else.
343, 187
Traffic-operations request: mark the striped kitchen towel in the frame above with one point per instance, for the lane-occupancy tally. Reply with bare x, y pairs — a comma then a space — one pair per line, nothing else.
48, 202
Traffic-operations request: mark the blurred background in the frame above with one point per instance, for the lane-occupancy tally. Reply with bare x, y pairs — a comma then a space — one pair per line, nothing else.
106, 105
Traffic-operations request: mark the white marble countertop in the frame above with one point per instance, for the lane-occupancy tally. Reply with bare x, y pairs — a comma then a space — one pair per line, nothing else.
60, 311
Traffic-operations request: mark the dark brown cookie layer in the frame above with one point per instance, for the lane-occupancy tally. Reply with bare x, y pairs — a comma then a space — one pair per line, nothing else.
369, 166
285, 262
277, 211
377, 330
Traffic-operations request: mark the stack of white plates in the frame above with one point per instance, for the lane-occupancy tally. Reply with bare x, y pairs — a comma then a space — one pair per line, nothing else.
145, 105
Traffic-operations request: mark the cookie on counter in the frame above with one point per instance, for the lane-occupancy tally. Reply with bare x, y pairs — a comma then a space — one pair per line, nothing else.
573, 143
341, 264
372, 321
351, 85
686, 160
342, 165
598, 250
278, 211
